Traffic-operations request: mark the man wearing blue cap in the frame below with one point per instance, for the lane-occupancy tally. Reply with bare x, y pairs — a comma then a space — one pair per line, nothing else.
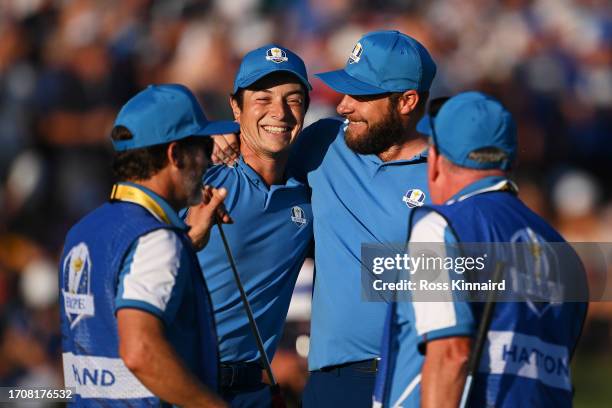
427, 344
136, 317
366, 174
272, 228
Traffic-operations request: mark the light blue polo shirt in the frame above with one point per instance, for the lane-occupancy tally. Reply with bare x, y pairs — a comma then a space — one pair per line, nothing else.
269, 239
507, 377
356, 199
410, 324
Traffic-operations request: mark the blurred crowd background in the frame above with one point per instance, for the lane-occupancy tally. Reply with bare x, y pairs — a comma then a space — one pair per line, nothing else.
66, 66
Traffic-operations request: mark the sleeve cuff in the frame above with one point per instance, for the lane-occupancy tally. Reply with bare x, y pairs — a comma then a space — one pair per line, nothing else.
455, 331
137, 304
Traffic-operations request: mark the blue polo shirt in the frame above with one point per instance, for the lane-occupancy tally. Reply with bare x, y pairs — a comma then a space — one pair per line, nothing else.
526, 358
356, 199
409, 324
269, 239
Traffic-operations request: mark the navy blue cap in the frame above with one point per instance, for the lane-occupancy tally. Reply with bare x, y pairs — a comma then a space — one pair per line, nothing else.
165, 113
382, 62
266, 60
470, 122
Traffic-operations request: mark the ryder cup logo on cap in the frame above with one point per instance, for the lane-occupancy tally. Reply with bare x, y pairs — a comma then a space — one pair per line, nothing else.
355, 54
474, 130
414, 198
383, 62
267, 60
164, 113
276, 55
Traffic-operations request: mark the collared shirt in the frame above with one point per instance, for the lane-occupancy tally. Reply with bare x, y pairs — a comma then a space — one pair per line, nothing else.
411, 324
357, 199
515, 326
150, 277
269, 240
131, 252
161, 210
486, 184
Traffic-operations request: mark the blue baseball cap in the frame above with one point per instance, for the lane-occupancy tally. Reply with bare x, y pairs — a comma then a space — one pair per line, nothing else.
424, 125
165, 113
470, 122
266, 60
383, 62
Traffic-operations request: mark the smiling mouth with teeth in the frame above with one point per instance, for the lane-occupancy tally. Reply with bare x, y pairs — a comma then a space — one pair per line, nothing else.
275, 129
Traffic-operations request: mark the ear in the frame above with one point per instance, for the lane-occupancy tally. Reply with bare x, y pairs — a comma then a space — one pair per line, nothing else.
408, 102
174, 155
235, 108
433, 165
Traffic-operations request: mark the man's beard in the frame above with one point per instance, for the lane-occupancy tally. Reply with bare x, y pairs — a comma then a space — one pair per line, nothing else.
194, 188
380, 137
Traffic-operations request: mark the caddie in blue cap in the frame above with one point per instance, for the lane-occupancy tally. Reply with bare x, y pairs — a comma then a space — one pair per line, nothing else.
272, 228
136, 317
528, 345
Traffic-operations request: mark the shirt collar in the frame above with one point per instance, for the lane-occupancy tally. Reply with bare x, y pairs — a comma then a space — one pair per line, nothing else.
169, 212
484, 185
373, 158
416, 158
259, 182
251, 174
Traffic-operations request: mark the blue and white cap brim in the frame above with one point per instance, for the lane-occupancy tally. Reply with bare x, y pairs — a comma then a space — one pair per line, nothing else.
340, 81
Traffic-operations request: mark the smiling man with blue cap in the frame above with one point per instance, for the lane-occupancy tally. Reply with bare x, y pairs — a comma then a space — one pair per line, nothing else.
427, 344
136, 318
272, 220
366, 173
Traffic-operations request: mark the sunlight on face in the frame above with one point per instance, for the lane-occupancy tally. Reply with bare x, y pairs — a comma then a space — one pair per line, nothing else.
272, 114
372, 123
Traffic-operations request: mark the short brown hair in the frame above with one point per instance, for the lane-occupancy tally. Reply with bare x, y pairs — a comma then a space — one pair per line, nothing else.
137, 164
144, 163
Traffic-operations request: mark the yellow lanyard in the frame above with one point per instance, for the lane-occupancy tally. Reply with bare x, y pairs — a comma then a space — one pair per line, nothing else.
134, 195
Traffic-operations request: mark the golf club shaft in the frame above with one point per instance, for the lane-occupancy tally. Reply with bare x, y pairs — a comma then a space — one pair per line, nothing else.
247, 307
481, 337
